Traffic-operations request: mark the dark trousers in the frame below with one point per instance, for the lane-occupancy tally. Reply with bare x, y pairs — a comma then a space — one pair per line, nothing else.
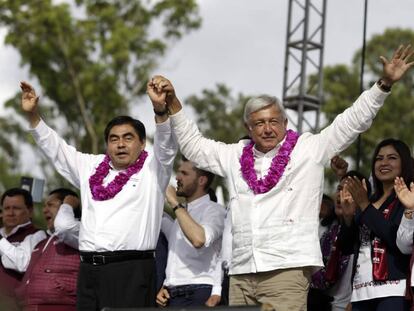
382, 304
189, 295
124, 284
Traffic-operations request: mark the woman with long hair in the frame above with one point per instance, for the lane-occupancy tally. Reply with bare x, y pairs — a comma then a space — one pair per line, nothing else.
381, 269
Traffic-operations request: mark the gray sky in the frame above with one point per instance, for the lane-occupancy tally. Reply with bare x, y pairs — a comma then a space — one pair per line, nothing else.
241, 43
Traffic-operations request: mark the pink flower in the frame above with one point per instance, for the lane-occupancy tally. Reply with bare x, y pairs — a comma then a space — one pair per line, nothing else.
276, 170
101, 193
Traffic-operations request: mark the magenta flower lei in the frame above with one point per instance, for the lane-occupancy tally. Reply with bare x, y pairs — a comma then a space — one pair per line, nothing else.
277, 168
101, 193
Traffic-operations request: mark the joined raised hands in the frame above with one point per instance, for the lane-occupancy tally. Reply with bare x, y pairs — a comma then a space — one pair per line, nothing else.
395, 68
161, 91
358, 191
405, 195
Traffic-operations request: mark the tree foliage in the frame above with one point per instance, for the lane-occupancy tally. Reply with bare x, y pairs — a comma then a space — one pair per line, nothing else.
219, 115
92, 58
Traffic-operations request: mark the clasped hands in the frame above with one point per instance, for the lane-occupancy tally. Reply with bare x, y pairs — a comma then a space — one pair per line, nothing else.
161, 93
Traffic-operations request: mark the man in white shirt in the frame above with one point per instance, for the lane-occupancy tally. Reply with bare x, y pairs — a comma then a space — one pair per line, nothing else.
275, 182
50, 260
17, 207
193, 272
122, 195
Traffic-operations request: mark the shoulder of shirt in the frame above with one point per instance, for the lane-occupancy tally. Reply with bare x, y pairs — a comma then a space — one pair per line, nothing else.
215, 206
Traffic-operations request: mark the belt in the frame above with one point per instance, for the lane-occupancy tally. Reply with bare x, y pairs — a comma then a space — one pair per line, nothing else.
103, 258
183, 290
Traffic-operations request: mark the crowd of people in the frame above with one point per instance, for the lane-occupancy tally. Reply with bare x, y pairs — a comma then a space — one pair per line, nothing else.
280, 242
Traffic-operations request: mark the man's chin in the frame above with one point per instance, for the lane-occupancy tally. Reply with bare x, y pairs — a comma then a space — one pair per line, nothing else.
180, 193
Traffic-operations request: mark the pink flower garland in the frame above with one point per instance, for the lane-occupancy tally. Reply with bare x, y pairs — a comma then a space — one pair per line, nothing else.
277, 167
101, 193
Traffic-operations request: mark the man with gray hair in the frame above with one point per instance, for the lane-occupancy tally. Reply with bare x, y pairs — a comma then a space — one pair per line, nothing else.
275, 182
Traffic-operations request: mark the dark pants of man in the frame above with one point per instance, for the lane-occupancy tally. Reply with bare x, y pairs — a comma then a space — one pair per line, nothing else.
382, 304
189, 295
123, 284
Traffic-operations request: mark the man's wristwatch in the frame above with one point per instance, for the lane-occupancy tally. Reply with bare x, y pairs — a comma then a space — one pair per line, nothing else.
383, 85
179, 205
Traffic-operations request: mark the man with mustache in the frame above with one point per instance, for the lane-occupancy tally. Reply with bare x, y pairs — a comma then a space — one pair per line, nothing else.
17, 209
275, 181
193, 272
122, 194
50, 260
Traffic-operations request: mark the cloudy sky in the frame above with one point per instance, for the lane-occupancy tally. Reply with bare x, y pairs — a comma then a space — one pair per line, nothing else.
242, 43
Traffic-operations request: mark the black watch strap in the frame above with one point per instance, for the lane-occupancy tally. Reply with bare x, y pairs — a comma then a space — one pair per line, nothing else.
179, 205
161, 113
383, 86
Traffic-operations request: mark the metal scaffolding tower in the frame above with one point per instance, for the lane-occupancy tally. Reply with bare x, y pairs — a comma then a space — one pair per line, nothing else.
303, 57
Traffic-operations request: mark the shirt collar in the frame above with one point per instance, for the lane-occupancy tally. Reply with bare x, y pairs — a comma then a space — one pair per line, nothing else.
14, 230
198, 202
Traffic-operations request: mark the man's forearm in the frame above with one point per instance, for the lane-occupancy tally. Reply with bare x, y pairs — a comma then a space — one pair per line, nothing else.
174, 106
191, 229
33, 118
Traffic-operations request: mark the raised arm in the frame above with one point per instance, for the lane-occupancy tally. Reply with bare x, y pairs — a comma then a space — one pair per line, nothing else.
66, 225
206, 153
358, 118
165, 143
66, 159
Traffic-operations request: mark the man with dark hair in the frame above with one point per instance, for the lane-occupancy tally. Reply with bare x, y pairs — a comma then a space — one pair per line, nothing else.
193, 272
17, 209
50, 264
122, 194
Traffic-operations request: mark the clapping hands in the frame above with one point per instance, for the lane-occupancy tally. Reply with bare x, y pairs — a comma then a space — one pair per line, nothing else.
405, 195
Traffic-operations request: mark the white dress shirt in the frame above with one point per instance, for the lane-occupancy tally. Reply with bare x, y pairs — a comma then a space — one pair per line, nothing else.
187, 264
67, 226
278, 229
405, 239
17, 256
132, 219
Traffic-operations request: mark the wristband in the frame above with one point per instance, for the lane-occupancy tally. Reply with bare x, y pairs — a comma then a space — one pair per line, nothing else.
179, 205
408, 213
383, 86
161, 113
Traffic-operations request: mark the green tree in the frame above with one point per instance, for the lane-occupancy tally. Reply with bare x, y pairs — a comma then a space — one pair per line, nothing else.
8, 166
396, 117
92, 58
